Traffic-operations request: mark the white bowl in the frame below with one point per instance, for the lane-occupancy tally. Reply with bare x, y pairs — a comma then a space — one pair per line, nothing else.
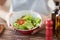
11, 18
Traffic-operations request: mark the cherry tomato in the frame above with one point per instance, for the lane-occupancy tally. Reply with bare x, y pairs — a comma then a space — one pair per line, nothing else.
20, 22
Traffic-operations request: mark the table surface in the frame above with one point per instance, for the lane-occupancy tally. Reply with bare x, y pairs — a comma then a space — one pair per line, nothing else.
11, 35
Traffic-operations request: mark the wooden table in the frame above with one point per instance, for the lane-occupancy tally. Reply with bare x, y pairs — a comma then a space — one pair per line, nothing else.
12, 35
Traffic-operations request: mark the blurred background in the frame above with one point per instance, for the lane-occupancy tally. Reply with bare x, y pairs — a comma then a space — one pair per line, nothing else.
39, 6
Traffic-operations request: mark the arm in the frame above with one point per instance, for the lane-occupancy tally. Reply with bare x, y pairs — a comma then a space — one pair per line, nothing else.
2, 2
57, 0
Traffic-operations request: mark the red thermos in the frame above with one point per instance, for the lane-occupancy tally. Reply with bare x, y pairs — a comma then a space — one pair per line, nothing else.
49, 31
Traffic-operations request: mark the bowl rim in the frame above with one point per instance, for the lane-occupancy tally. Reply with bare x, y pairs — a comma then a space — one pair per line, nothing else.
29, 11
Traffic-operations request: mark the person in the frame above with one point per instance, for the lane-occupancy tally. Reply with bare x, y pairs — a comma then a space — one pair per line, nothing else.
36, 5
39, 6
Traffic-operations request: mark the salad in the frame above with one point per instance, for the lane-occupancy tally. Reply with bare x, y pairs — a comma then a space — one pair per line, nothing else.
26, 22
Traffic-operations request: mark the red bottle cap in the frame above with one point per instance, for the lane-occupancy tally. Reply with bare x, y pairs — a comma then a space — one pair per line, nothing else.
49, 23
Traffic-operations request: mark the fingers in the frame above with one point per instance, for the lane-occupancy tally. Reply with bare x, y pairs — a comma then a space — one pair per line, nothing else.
10, 28
1, 28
